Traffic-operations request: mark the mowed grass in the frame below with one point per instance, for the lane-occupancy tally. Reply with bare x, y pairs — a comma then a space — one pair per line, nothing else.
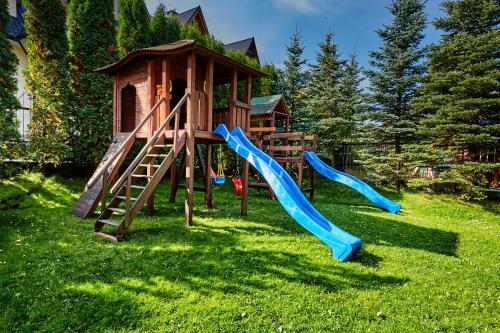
434, 267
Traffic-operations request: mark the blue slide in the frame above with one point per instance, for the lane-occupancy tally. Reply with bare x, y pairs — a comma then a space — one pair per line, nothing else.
344, 245
352, 182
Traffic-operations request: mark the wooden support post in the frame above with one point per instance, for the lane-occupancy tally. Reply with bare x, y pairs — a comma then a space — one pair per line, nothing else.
210, 93
208, 189
301, 163
246, 165
190, 109
151, 128
233, 97
165, 86
313, 182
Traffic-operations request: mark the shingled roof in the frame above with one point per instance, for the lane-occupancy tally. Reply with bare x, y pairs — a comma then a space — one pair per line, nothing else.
247, 46
265, 104
15, 28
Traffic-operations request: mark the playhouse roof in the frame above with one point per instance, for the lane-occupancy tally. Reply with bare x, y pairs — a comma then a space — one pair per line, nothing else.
180, 47
267, 105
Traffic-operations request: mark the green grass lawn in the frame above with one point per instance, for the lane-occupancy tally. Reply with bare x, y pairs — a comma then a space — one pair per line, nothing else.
434, 267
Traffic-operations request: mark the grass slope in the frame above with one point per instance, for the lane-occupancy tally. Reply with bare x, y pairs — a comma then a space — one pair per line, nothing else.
433, 267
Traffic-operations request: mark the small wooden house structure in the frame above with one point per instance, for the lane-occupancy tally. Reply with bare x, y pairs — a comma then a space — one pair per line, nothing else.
164, 96
269, 114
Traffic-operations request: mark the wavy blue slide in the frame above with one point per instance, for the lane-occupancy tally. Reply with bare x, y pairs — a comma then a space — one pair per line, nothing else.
352, 182
344, 245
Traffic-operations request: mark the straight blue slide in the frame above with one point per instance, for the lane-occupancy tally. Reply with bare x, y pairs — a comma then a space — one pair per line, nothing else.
352, 182
343, 245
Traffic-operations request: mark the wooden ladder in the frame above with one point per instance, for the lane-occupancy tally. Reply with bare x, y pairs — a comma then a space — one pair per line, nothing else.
140, 179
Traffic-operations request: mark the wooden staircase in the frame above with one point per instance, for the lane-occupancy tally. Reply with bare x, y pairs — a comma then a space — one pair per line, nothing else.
140, 179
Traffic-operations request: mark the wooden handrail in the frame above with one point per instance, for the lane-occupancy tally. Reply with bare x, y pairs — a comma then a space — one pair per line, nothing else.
106, 165
242, 105
151, 142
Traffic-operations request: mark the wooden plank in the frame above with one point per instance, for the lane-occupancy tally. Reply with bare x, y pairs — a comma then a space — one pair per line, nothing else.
287, 159
262, 129
286, 148
242, 105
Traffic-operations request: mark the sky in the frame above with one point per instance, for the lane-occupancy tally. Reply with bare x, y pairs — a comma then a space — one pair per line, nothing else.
272, 22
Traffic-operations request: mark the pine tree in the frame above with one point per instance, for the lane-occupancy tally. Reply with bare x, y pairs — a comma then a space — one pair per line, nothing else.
92, 42
133, 26
397, 70
323, 99
159, 27
8, 85
460, 100
47, 78
295, 80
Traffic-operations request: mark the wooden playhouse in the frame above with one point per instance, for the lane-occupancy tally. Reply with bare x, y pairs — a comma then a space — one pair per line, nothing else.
164, 96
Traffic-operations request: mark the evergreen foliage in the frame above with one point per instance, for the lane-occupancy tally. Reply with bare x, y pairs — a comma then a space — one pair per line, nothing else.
273, 83
8, 83
173, 29
92, 42
47, 78
191, 31
159, 27
133, 26
389, 124
8, 101
324, 113
352, 99
295, 80
460, 100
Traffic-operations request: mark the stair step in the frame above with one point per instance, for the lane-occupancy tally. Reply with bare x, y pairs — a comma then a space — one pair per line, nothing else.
146, 165
109, 222
141, 176
117, 210
156, 155
137, 187
107, 236
163, 146
123, 198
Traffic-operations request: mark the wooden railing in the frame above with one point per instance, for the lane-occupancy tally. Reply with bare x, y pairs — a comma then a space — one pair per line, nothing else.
174, 113
240, 116
103, 171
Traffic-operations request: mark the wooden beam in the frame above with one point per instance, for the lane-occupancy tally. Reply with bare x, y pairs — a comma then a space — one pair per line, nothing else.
246, 164
262, 129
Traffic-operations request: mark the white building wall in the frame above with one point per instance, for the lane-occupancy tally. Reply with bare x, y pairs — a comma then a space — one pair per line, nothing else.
12, 8
23, 115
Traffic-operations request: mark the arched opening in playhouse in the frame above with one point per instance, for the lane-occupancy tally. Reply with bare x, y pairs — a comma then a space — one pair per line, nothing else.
128, 110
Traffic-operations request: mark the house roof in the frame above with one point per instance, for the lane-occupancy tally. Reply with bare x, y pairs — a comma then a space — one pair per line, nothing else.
187, 16
15, 28
247, 46
176, 48
266, 104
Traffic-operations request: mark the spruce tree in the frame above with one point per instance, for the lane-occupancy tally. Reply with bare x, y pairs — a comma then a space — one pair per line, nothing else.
133, 26
397, 68
92, 43
460, 102
159, 26
351, 94
295, 80
47, 78
332, 123
8, 83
